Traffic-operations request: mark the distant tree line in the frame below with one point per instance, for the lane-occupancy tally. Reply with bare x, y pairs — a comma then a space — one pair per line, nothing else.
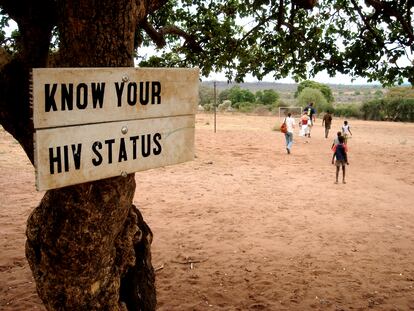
238, 99
397, 104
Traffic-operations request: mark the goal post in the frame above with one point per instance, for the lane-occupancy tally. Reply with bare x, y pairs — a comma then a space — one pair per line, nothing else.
295, 111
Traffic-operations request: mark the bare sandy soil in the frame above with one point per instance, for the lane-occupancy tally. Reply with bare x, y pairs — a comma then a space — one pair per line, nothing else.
247, 227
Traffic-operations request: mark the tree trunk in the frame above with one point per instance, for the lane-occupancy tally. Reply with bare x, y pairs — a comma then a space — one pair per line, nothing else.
84, 241
87, 245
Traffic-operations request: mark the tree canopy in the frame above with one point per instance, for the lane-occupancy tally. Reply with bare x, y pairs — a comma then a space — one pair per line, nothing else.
309, 95
325, 89
267, 97
238, 95
372, 38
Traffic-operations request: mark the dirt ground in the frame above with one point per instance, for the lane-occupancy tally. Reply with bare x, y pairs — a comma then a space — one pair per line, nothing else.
246, 226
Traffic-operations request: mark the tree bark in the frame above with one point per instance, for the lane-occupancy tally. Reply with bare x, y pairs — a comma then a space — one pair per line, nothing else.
88, 245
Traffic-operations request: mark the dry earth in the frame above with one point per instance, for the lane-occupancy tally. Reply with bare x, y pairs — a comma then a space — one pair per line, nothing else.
247, 227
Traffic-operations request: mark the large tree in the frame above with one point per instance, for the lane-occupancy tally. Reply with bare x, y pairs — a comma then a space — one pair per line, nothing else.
87, 245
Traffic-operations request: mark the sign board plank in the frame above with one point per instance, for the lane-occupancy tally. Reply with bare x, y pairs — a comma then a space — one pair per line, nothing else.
75, 96
72, 155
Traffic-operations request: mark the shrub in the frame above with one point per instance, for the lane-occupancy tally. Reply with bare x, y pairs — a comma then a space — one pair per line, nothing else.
224, 106
372, 110
267, 97
391, 109
246, 106
406, 108
348, 111
261, 110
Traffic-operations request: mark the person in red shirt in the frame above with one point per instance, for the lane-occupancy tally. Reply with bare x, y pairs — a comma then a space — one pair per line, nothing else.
340, 152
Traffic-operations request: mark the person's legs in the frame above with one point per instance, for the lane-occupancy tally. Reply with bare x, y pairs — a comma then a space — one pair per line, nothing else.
287, 141
306, 130
326, 132
290, 141
337, 173
343, 174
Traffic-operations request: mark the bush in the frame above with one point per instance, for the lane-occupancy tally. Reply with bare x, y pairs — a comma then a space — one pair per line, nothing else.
391, 109
348, 111
372, 110
224, 106
246, 106
208, 107
261, 110
267, 97
406, 108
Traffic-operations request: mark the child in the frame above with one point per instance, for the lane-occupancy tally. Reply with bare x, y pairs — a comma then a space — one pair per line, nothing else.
336, 140
340, 153
346, 130
304, 125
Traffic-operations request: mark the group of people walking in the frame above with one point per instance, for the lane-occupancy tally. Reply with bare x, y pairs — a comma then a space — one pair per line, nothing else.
307, 120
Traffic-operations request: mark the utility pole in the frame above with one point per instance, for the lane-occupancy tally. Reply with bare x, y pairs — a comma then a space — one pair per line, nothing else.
215, 105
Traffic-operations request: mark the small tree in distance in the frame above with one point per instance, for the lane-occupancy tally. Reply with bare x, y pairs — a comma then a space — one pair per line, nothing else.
325, 89
268, 98
309, 95
238, 95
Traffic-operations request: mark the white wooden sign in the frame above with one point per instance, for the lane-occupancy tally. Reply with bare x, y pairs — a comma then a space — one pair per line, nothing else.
73, 96
89, 125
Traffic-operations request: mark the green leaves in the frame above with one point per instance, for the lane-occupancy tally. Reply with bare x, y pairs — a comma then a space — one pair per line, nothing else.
372, 39
323, 88
259, 37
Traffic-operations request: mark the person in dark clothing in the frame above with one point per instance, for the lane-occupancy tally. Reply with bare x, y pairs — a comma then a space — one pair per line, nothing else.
327, 120
340, 153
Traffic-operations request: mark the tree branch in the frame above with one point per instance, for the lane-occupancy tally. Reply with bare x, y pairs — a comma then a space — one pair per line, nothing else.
280, 15
155, 6
380, 41
159, 36
156, 37
190, 40
389, 11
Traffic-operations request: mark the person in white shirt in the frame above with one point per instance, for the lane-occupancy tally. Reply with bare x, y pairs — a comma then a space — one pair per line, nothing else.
304, 125
290, 124
346, 131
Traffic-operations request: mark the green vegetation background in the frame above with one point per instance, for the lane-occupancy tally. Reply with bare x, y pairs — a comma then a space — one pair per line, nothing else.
369, 102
